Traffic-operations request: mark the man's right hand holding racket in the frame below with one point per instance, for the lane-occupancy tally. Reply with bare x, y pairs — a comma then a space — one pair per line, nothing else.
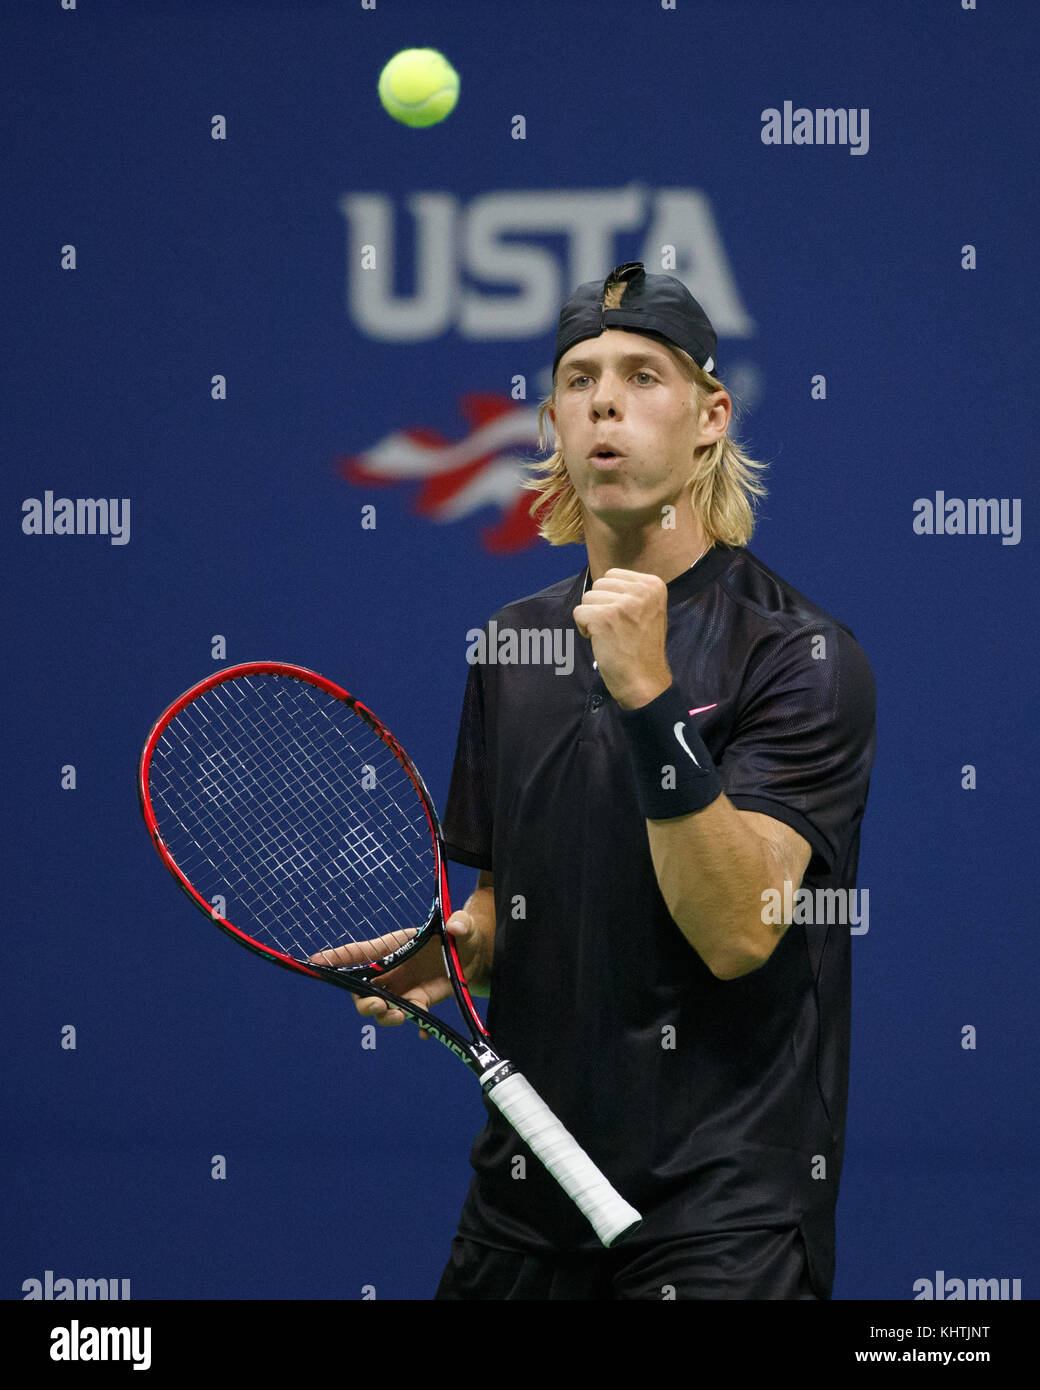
423, 978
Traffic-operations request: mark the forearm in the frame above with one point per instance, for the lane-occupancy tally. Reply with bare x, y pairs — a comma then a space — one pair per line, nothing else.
712, 870
712, 867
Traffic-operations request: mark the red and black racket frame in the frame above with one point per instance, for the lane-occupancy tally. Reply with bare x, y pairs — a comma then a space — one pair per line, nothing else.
359, 980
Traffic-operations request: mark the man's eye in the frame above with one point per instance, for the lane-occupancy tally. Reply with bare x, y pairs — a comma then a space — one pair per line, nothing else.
576, 379
648, 375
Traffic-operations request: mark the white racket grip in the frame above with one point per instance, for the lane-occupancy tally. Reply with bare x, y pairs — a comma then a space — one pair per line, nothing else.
611, 1216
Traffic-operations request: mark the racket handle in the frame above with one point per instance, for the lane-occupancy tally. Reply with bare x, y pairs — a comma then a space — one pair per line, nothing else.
611, 1216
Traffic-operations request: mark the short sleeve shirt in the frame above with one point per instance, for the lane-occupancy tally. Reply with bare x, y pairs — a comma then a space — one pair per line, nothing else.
710, 1104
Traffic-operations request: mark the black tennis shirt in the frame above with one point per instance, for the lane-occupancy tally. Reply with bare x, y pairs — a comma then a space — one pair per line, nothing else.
710, 1104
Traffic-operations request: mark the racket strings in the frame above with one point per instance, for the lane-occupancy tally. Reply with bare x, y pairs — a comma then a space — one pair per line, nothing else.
282, 803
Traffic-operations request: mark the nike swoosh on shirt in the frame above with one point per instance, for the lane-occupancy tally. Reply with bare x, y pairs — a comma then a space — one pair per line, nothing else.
678, 732
701, 708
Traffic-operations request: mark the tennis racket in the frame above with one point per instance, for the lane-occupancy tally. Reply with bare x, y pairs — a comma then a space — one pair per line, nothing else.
293, 818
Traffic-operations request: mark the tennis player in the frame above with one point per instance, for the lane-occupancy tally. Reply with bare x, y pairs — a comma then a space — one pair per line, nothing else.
642, 826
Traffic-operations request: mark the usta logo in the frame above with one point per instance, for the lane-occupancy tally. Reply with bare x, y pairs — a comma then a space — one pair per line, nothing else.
527, 279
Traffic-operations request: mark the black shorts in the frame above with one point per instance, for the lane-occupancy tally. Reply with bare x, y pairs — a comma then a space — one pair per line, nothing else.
729, 1265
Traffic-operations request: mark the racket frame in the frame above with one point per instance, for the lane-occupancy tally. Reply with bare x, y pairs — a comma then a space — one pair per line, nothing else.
502, 1084
358, 979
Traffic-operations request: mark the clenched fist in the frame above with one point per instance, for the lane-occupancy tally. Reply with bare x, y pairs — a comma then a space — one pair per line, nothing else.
625, 616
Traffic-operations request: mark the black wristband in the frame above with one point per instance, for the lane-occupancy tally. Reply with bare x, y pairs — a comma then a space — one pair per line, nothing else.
675, 775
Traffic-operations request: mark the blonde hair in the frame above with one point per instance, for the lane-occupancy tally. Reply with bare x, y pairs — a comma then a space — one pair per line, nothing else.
725, 484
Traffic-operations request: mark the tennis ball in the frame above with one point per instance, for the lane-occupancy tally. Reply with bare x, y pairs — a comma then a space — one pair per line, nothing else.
419, 87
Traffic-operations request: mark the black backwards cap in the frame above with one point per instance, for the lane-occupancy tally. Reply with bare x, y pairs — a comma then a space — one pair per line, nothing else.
658, 305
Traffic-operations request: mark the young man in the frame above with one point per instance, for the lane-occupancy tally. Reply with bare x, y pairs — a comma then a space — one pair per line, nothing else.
636, 821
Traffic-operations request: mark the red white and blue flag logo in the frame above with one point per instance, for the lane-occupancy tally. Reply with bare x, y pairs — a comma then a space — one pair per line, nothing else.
482, 469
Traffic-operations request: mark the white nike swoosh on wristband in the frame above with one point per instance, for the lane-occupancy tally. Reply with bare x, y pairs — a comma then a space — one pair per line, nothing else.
678, 732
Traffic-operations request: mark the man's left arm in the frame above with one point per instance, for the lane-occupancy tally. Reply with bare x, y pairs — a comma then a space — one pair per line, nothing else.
714, 865
713, 869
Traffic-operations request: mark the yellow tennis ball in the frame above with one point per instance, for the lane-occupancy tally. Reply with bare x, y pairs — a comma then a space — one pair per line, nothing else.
419, 87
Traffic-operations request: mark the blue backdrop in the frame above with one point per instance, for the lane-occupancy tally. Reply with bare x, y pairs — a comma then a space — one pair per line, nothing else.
194, 192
